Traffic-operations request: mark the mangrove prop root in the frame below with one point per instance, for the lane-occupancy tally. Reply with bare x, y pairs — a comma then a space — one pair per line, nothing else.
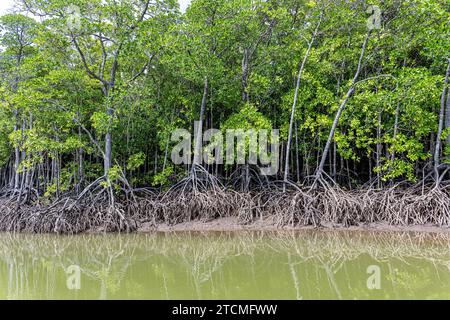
302, 206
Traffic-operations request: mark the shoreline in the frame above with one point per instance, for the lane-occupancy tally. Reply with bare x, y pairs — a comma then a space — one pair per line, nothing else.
232, 224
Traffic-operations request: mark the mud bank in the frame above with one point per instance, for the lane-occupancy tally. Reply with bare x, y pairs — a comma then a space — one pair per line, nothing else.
232, 224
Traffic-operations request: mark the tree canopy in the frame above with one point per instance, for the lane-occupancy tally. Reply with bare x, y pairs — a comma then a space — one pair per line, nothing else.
95, 89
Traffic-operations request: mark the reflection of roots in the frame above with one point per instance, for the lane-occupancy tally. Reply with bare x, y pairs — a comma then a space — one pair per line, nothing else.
205, 258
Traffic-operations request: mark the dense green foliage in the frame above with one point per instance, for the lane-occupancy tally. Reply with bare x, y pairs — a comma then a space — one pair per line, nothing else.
99, 91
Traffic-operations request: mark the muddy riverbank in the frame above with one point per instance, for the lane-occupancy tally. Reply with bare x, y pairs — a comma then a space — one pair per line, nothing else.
233, 224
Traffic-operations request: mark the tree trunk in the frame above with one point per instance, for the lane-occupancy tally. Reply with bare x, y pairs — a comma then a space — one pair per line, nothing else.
198, 139
437, 149
397, 116
80, 160
16, 176
447, 117
334, 172
108, 142
294, 104
378, 157
245, 75
297, 160
350, 91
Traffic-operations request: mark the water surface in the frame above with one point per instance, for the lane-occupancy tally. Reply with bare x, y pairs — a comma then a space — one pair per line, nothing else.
241, 265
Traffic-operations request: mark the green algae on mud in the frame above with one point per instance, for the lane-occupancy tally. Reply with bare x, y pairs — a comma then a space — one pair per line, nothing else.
306, 264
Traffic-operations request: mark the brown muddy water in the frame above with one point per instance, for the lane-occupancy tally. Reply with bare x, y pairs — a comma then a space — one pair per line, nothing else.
227, 265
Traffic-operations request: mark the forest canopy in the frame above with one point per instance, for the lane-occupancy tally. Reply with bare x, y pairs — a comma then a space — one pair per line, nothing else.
93, 89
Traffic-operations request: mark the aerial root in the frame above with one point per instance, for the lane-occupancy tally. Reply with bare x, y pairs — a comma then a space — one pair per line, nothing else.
321, 206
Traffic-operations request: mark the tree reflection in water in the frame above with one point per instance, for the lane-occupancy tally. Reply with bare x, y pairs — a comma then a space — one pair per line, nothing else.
258, 265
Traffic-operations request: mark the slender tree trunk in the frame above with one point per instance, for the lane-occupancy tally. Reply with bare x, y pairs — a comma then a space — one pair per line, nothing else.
16, 164
350, 91
397, 116
198, 139
166, 154
378, 159
16, 123
16, 176
80, 160
155, 162
108, 151
22, 157
437, 149
307, 155
334, 159
447, 117
294, 104
245, 99
396, 121
297, 160
28, 174
245, 75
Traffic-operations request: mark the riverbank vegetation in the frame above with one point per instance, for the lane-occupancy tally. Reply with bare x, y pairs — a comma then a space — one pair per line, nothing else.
91, 92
